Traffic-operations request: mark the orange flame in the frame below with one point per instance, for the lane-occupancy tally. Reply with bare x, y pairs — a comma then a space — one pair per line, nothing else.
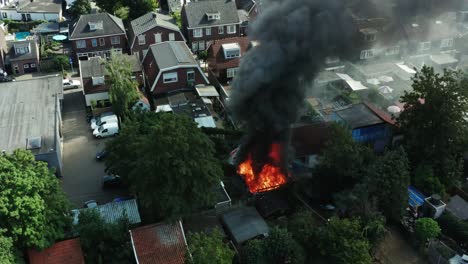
270, 176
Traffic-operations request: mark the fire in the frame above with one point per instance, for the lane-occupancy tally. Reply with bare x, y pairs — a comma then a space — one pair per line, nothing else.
270, 176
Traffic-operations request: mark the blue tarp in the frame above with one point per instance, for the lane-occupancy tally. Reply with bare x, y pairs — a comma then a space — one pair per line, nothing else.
415, 197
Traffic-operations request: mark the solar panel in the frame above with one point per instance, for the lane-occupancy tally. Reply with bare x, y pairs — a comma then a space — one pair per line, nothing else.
180, 53
34, 143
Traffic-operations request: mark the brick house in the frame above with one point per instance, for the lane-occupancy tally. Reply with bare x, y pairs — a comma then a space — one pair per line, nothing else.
3, 46
247, 11
93, 77
169, 67
206, 21
149, 29
96, 35
224, 57
23, 56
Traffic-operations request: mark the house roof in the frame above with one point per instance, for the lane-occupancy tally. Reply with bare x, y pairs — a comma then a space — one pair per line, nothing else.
245, 5
216, 59
113, 211
309, 139
112, 25
362, 115
96, 67
42, 6
159, 244
195, 13
244, 223
32, 54
172, 54
148, 21
459, 207
64, 252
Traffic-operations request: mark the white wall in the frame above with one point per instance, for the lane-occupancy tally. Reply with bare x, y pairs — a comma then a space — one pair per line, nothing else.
96, 97
15, 15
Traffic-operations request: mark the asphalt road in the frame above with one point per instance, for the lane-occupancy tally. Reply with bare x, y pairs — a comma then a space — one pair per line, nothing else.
82, 174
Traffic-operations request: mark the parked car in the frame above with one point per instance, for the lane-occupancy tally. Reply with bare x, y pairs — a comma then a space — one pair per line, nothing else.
106, 130
6, 79
90, 204
70, 84
94, 120
101, 155
109, 181
103, 120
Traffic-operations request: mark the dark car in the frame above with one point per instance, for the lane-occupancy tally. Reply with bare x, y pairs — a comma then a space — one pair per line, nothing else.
6, 79
111, 181
101, 155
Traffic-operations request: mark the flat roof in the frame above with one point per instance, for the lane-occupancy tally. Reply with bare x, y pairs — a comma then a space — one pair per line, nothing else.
359, 115
245, 223
458, 207
28, 109
207, 91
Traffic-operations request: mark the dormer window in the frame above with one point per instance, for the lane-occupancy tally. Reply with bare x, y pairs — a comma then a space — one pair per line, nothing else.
370, 37
213, 16
97, 80
95, 25
22, 48
370, 34
231, 50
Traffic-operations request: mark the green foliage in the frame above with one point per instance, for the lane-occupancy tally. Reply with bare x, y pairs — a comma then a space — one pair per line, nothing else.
427, 228
435, 130
123, 93
303, 227
426, 181
136, 8
178, 18
16, 26
453, 227
61, 62
122, 12
278, 248
209, 249
342, 240
80, 7
104, 242
6, 249
33, 208
168, 162
203, 55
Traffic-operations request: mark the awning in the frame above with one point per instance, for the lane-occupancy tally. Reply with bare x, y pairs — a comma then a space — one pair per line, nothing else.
354, 85
442, 59
406, 68
207, 91
205, 121
163, 108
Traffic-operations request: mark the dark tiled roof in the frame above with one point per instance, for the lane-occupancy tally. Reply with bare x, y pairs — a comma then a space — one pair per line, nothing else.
149, 21
64, 252
172, 54
95, 67
309, 139
216, 58
32, 54
245, 5
359, 115
196, 13
159, 244
112, 25
42, 6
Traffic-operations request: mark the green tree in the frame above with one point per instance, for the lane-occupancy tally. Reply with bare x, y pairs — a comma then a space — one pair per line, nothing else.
209, 249
124, 90
278, 248
6, 249
343, 241
177, 18
122, 12
434, 124
427, 228
137, 8
104, 242
61, 62
303, 227
426, 181
80, 7
33, 208
453, 227
167, 161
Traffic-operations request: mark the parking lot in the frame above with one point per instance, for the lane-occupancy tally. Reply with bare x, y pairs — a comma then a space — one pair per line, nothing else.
82, 174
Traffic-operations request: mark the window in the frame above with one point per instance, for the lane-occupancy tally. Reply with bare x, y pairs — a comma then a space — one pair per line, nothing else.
231, 50
213, 16
194, 46
190, 76
446, 43
221, 30
158, 37
94, 42
141, 40
369, 37
366, 54
117, 51
425, 46
208, 31
198, 33
33, 65
201, 45
22, 50
81, 44
95, 25
115, 40
4, 14
393, 51
231, 29
231, 73
171, 36
97, 80
170, 77
102, 41
26, 66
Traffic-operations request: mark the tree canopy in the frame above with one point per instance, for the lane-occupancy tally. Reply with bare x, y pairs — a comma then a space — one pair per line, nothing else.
80, 7
427, 228
209, 248
167, 161
33, 208
433, 122
124, 90
6, 249
136, 8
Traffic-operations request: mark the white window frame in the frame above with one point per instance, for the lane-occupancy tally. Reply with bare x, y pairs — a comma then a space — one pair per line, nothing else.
33, 65
102, 41
201, 45
208, 31
446, 43
367, 54
231, 72
170, 77
221, 30
395, 50
198, 33
158, 36
115, 40
94, 43
81, 44
26, 66
195, 46
231, 29
142, 39
190, 72
423, 46
171, 36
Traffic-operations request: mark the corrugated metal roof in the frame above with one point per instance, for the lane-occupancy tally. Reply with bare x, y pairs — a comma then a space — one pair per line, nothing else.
112, 212
415, 197
245, 223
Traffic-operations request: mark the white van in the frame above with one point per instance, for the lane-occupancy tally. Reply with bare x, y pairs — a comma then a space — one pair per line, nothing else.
106, 130
103, 120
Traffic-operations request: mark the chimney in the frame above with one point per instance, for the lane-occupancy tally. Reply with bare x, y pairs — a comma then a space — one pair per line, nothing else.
154, 15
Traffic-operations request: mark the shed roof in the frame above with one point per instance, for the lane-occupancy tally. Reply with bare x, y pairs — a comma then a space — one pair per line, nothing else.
113, 211
172, 54
42, 6
196, 13
459, 207
207, 91
64, 252
159, 244
111, 25
359, 115
415, 197
244, 223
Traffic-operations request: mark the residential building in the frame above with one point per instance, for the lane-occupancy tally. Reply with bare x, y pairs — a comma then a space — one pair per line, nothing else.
170, 67
149, 29
159, 243
243, 224
3, 47
23, 56
30, 114
206, 21
93, 78
28, 10
63, 252
247, 11
224, 57
114, 211
97, 35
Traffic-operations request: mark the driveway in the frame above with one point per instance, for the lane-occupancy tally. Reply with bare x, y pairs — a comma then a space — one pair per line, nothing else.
81, 172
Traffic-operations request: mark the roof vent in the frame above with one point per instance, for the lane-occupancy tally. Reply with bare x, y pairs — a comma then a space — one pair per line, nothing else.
33, 143
154, 15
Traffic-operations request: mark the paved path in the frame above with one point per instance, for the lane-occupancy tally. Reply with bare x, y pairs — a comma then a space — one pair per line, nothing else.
394, 249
